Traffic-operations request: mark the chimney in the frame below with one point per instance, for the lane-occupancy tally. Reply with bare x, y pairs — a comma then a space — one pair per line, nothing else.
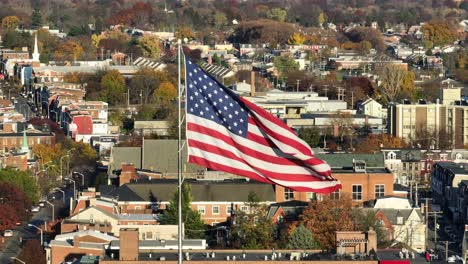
76, 241
367, 120
128, 173
129, 247
252, 83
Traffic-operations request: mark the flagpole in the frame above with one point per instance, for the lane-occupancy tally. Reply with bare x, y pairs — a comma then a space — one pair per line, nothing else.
179, 165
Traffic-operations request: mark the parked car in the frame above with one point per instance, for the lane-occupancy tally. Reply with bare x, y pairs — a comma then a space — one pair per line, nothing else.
35, 209
42, 203
8, 233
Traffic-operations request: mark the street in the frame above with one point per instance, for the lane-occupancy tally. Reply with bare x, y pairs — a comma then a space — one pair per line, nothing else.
454, 243
12, 247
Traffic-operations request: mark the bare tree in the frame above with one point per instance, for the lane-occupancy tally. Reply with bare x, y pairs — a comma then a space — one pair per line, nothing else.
342, 124
391, 77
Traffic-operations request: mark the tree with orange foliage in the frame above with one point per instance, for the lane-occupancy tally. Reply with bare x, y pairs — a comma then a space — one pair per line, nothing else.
324, 218
10, 22
165, 92
374, 143
69, 50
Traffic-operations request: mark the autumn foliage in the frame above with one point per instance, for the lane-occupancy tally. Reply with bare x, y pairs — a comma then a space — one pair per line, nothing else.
324, 218
136, 15
13, 205
374, 143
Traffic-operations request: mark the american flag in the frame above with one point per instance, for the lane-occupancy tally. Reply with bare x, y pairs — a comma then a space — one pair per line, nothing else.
226, 132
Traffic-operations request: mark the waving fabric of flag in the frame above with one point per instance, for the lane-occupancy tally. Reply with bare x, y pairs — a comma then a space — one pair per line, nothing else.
226, 132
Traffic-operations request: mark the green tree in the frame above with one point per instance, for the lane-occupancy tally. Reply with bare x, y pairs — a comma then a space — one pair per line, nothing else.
113, 84
116, 118
253, 229
285, 64
220, 20
310, 135
128, 124
146, 112
277, 14
36, 19
22, 180
194, 226
301, 238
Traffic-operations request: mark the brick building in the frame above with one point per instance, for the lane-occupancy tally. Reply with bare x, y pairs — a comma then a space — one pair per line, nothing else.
14, 140
362, 176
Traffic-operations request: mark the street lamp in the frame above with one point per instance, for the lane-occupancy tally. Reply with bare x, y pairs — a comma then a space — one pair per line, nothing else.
15, 258
42, 233
74, 187
61, 168
68, 160
53, 210
82, 177
63, 194
37, 173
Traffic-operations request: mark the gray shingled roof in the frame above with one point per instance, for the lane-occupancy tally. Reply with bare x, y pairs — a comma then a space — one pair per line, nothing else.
342, 160
393, 214
161, 155
163, 190
121, 155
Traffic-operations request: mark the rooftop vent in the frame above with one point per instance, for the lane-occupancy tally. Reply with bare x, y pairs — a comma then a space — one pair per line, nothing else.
359, 165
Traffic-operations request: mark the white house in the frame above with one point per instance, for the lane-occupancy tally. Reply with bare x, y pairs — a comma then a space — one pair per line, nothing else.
371, 107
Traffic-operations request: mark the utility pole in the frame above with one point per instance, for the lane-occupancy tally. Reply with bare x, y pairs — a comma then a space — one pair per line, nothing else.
446, 250
435, 225
326, 90
297, 85
352, 99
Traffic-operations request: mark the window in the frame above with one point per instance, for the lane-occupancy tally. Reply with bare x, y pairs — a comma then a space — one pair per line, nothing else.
149, 235
357, 192
215, 209
201, 209
137, 207
392, 155
244, 208
379, 190
335, 195
214, 223
288, 194
229, 210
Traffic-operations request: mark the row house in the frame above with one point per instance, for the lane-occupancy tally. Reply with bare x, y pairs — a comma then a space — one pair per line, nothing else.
95, 218
405, 164
446, 177
67, 247
214, 200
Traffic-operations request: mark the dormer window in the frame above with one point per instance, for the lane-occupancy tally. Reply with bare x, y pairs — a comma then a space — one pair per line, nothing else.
391, 156
409, 156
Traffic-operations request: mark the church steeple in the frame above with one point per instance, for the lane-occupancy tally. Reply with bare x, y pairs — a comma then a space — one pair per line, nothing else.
36, 53
25, 147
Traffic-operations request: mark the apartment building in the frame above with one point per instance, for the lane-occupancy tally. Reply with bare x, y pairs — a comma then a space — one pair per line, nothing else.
408, 121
